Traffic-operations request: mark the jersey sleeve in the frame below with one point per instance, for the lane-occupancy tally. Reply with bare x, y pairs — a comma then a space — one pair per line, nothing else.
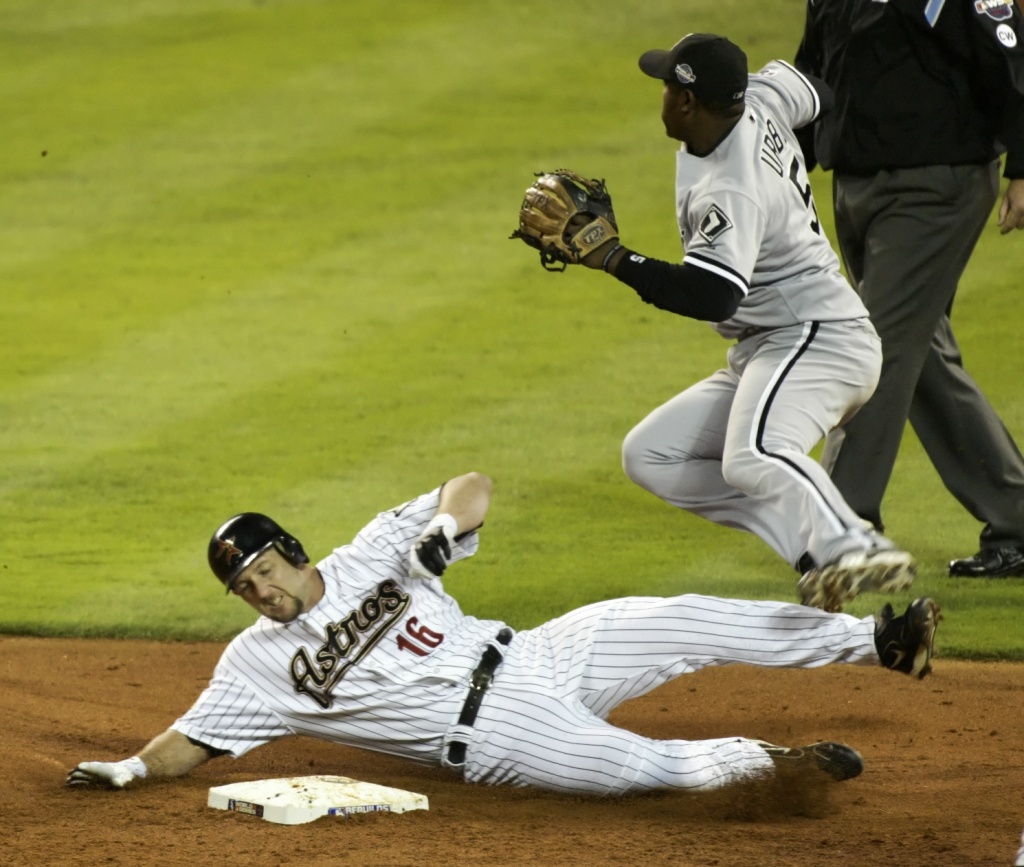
997, 41
229, 716
394, 532
791, 94
725, 238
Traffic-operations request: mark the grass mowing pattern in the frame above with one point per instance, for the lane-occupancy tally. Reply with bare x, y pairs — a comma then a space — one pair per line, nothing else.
256, 257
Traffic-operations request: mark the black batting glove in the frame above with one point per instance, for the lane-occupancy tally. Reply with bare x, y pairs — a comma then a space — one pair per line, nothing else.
430, 555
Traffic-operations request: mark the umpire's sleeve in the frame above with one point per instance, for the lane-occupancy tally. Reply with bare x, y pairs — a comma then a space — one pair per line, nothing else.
998, 49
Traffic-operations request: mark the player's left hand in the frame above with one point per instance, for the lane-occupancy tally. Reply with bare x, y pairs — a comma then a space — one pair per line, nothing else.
430, 555
567, 217
110, 775
1011, 209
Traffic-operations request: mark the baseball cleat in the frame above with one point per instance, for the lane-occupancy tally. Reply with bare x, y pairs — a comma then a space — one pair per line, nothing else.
831, 586
839, 761
906, 643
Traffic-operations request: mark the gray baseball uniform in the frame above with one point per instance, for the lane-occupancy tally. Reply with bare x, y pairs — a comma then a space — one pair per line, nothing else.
734, 447
384, 662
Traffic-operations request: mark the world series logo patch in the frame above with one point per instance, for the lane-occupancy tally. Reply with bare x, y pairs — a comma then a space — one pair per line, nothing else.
998, 10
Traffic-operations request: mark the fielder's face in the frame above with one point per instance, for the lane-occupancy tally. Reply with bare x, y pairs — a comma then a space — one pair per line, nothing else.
276, 588
674, 113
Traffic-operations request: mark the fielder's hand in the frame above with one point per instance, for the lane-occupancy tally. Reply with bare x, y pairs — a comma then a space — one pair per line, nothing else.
430, 555
568, 218
110, 775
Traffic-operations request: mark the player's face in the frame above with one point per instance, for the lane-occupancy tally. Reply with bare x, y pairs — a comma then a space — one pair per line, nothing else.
276, 588
672, 113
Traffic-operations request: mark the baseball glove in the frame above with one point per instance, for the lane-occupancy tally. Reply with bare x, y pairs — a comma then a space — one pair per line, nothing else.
566, 217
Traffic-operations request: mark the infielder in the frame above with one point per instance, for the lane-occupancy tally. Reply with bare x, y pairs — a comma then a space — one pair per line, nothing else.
734, 447
367, 649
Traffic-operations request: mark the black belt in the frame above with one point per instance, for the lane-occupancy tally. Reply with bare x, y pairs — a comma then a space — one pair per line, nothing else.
479, 682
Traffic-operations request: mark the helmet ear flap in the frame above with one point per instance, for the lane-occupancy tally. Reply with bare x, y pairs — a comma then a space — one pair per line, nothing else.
291, 549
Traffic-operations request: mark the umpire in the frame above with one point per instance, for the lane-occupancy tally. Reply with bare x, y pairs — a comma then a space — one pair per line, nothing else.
929, 94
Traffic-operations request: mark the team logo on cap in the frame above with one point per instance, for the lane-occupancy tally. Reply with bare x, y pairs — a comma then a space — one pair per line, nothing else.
685, 74
999, 10
227, 551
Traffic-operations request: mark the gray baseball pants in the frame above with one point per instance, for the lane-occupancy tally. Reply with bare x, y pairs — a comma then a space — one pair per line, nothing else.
906, 237
734, 447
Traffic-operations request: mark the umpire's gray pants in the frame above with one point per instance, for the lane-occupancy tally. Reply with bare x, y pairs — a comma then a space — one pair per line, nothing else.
906, 237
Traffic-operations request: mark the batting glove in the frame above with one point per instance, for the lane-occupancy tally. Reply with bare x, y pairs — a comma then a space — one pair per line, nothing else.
429, 556
112, 775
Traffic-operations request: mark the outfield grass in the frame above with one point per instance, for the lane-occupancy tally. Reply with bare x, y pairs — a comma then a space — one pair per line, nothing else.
256, 257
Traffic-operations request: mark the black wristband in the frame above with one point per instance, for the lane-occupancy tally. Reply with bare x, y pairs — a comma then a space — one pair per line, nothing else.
608, 256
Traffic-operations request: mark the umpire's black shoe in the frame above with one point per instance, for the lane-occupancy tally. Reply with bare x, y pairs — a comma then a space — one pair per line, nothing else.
1005, 562
906, 643
839, 761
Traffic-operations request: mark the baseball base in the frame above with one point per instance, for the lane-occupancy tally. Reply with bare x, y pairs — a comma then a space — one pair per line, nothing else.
296, 800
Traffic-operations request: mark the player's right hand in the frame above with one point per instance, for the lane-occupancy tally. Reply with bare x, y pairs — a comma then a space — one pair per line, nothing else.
110, 775
429, 556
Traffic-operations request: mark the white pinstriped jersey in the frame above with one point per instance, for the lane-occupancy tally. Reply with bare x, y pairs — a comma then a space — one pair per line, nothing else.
746, 213
382, 661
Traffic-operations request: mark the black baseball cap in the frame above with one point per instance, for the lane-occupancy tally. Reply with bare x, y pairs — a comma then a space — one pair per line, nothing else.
711, 66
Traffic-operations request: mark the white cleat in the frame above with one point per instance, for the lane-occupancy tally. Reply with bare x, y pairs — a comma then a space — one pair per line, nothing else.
831, 586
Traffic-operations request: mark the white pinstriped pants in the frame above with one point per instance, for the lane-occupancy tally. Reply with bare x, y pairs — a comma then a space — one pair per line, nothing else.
543, 721
734, 447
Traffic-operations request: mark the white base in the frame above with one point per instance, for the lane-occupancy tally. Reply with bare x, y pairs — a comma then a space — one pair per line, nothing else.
296, 800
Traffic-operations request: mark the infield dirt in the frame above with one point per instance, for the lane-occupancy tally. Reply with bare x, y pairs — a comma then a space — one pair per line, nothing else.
943, 784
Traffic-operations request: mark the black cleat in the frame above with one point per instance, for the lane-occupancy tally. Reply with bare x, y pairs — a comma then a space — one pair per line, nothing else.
839, 761
906, 643
1005, 562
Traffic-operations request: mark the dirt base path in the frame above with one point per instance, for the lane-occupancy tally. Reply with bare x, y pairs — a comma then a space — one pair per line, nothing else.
943, 785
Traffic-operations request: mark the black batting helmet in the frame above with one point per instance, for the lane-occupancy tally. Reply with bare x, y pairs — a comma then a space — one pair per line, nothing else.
241, 539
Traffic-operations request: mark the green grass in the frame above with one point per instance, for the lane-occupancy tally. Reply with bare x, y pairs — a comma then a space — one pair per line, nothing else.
256, 257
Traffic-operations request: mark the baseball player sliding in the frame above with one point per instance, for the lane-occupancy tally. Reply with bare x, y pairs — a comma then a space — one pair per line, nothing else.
367, 649
734, 447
